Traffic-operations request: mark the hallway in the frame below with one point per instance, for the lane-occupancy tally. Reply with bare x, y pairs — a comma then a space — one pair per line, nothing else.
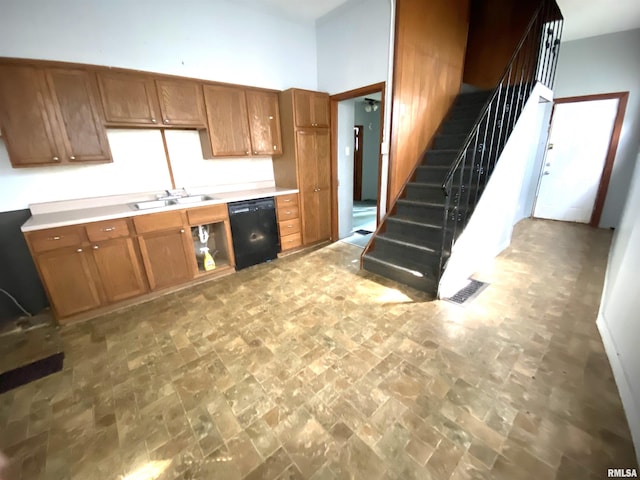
307, 367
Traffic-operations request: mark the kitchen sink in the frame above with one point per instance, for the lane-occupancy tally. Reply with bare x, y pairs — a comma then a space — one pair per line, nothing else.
194, 199
148, 204
152, 204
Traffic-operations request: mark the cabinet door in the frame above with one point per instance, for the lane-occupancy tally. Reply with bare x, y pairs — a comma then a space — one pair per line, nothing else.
73, 94
302, 108
264, 122
323, 174
181, 103
27, 118
119, 269
320, 108
306, 157
227, 121
128, 99
70, 280
168, 257
324, 214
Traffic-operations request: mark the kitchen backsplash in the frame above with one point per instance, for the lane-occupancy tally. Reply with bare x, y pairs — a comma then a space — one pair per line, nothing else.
139, 165
191, 170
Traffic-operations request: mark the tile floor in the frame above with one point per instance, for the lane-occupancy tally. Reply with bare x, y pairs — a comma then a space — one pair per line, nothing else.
309, 368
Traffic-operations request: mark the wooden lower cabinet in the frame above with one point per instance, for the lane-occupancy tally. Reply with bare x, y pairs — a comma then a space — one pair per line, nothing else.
119, 269
70, 279
168, 257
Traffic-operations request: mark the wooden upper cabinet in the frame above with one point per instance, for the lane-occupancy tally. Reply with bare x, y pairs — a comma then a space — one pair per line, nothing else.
311, 109
181, 103
321, 109
73, 93
128, 98
27, 119
228, 133
264, 122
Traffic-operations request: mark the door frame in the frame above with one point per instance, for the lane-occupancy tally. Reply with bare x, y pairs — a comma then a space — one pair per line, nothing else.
605, 176
334, 100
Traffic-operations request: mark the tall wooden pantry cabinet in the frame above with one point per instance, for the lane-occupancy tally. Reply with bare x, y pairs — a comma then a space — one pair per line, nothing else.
306, 160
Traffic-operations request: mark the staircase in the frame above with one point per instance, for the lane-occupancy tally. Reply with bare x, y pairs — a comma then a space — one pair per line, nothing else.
414, 240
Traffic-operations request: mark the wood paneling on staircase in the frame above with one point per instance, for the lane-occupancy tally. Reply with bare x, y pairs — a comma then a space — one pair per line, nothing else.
495, 29
430, 45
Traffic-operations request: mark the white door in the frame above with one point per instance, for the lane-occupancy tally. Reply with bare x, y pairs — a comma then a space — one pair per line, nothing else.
578, 146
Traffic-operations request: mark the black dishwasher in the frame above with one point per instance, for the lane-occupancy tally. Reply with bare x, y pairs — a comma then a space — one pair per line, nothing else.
254, 229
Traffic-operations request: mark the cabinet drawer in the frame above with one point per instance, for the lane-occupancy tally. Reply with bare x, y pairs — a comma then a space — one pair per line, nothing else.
45, 240
290, 200
289, 227
287, 213
157, 222
204, 215
290, 241
106, 230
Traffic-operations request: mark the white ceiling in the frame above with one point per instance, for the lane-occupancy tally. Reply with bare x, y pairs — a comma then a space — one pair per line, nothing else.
583, 18
588, 18
298, 10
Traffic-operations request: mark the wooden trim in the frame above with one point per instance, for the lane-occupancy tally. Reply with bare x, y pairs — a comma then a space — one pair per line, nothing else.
622, 98
334, 99
359, 92
168, 159
101, 68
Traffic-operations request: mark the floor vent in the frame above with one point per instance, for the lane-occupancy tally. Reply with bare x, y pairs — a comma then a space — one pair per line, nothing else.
468, 293
363, 232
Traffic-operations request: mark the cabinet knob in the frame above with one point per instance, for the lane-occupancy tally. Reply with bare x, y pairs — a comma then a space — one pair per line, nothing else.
55, 238
255, 152
182, 230
79, 250
55, 159
275, 147
153, 120
72, 157
270, 117
289, 226
166, 120
108, 229
95, 247
288, 212
247, 152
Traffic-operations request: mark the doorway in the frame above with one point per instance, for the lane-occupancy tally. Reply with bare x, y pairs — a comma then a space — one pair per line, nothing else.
583, 140
357, 118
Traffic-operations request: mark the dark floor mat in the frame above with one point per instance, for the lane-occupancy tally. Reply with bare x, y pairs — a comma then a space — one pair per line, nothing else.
468, 293
28, 373
363, 232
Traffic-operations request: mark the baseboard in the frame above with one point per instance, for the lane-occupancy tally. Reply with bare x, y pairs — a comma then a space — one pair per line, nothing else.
626, 394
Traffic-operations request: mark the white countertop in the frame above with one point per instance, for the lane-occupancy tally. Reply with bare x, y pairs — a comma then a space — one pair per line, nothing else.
95, 213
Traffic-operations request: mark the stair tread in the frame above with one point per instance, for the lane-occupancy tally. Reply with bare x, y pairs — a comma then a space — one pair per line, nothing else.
412, 271
402, 219
420, 203
425, 184
389, 238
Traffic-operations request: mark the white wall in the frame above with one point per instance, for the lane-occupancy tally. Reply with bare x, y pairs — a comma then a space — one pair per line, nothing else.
604, 64
353, 45
370, 150
190, 169
213, 39
491, 225
618, 319
139, 165
346, 115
